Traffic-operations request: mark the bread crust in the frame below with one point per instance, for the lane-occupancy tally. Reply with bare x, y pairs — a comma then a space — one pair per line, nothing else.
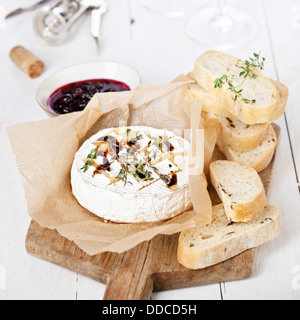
251, 221
223, 100
262, 162
242, 140
263, 229
283, 98
239, 212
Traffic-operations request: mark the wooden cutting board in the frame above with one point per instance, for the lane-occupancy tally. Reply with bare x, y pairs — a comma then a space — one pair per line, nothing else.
151, 266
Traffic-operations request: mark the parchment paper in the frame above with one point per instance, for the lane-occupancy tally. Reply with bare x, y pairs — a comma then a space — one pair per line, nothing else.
45, 150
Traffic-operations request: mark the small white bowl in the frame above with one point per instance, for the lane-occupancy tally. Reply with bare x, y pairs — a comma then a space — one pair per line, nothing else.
86, 71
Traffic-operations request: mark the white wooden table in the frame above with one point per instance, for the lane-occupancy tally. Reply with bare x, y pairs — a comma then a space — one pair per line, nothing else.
160, 50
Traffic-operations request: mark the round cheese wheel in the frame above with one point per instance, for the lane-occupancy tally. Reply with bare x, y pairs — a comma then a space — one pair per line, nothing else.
133, 175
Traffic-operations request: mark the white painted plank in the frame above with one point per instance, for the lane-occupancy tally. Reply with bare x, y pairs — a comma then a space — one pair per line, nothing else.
184, 53
28, 277
157, 62
286, 53
277, 259
115, 46
274, 277
25, 277
88, 289
161, 52
209, 292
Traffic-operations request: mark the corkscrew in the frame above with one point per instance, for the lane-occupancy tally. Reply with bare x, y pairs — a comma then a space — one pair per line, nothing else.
53, 24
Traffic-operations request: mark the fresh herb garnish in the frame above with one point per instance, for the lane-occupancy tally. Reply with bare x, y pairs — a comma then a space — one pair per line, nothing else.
140, 170
137, 169
247, 72
256, 63
158, 142
220, 81
89, 161
123, 174
140, 173
237, 93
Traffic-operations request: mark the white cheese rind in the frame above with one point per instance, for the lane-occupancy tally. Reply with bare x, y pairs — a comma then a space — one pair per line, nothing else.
132, 203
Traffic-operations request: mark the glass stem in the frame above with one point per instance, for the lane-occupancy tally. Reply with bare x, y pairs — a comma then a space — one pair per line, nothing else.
221, 4
222, 22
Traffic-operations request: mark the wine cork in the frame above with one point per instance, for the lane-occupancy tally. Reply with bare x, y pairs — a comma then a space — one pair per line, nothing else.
27, 62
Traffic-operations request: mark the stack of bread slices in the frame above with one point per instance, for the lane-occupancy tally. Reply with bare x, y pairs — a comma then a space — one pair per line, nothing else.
245, 107
247, 134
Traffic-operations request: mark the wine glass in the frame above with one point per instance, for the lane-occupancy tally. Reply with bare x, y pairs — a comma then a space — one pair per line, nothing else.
221, 27
296, 17
172, 8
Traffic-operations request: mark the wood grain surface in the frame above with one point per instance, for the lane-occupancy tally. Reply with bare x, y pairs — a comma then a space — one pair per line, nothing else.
151, 266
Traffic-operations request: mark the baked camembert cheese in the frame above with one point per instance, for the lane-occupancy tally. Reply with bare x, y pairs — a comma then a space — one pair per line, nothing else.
133, 174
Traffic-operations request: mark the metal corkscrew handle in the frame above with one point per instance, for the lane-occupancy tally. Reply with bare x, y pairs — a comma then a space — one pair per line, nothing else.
96, 18
53, 25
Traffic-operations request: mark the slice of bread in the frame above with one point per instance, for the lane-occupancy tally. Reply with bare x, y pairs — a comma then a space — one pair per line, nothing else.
209, 101
237, 135
240, 189
262, 93
283, 98
212, 105
205, 246
258, 158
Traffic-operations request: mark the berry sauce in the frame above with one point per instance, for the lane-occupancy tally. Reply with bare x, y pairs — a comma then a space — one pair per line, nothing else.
75, 96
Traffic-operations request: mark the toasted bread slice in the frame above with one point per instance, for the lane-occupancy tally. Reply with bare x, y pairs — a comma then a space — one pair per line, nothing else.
283, 98
205, 246
240, 189
258, 158
209, 101
237, 135
262, 93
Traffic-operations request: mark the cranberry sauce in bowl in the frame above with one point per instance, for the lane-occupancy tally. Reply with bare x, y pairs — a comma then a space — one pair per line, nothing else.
75, 96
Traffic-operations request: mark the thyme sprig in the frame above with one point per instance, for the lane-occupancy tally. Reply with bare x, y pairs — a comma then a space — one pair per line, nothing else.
89, 162
123, 174
137, 169
158, 142
140, 172
247, 72
256, 61
237, 92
